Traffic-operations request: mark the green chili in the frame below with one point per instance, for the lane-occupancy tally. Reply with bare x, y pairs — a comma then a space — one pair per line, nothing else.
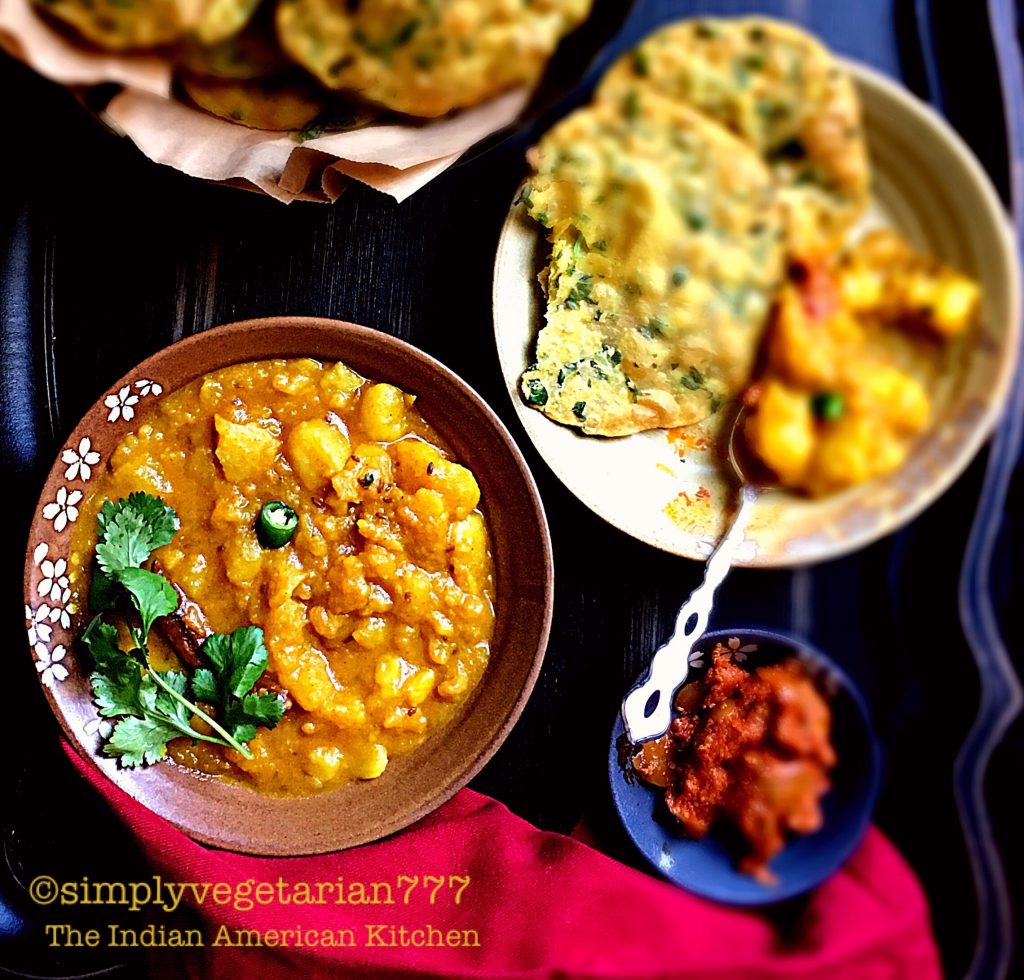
276, 525
828, 406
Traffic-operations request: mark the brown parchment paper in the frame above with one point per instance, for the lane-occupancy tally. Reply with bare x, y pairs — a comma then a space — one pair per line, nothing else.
397, 158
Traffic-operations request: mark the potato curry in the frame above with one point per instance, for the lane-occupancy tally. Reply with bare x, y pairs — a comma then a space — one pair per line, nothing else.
854, 347
321, 508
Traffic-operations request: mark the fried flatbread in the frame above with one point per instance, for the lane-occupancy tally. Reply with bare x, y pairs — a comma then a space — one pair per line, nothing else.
251, 54
426, 58
779, 90
125, 24
119, 25
218, 20
281, 102
666, 238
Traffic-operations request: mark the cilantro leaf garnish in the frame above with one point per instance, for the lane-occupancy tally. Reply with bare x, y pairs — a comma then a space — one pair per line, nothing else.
154, 707
262, 708
102, 642
239, 658
140, 740
131, 529
103, 591
151, 594
238, 661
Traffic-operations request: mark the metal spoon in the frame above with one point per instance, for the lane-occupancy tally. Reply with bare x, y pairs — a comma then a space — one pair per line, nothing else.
647, 708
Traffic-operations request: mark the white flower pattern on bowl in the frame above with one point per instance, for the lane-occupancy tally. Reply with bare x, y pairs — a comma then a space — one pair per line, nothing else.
80, 460
147, 387
121, 404
735, 652
53, 583
123, 401
100, 727
64, 509
49, 665
39, 629
739, 654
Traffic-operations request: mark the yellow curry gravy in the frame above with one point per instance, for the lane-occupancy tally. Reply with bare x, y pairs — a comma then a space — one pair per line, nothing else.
377, 615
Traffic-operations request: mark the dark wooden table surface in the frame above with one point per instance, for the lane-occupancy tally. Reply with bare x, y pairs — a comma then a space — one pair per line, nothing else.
109, 257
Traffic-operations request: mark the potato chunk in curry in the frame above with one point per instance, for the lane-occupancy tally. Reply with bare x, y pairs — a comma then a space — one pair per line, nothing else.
377, 614
852, 355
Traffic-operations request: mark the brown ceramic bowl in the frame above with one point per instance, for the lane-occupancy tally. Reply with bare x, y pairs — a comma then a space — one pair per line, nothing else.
231, 815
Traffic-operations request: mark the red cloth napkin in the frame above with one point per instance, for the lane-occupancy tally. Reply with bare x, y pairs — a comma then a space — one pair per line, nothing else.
543, 905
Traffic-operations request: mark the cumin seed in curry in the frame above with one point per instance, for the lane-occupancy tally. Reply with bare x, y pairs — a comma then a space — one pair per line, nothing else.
377, 611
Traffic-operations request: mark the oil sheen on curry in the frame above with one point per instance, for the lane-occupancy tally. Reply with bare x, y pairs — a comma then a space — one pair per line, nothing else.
377, 612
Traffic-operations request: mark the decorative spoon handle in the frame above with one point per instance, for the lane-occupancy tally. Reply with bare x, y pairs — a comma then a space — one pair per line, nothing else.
647, 708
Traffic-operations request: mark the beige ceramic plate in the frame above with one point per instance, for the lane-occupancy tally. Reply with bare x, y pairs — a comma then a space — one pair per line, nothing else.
229, 814
928, 185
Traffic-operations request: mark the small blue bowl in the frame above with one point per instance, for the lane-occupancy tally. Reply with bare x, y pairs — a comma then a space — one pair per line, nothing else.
707, 867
